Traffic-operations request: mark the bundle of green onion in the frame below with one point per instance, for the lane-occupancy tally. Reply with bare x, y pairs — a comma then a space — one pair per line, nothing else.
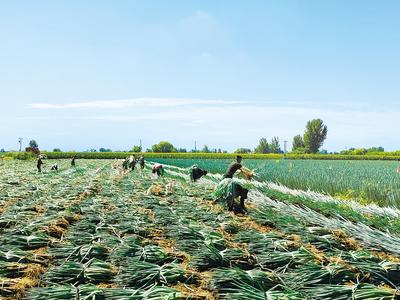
33, 241
96, 271
22, 256
153, 254
68, 272
56, 292
143, 274
356, 291
224, 279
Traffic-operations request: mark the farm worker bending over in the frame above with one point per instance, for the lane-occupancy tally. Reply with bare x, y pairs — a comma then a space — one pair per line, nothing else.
132, 162
141, 162
159, 169
39, 164
196, 173
125, 163
229, 189
233, 167
54, 167
73, 161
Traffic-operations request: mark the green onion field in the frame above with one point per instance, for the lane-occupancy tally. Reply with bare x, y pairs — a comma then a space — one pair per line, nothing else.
97, 232
363, 180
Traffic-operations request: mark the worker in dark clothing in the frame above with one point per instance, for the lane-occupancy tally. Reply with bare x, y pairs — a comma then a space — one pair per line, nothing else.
54, 167
141, 162
159, 169
125, 163
39, 163
230, 188
233, 167
238, 191
196, 173
73, 161
132, 162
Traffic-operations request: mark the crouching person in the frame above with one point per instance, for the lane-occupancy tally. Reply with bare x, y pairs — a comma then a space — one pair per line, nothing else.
240, 193
54, 167
158, 169
234, 193
196, 173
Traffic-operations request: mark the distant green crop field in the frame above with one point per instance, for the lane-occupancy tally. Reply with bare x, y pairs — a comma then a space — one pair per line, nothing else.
368, 181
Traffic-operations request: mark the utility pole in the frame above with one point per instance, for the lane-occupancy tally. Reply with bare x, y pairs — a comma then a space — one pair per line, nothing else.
20, 143
195, 146
285, 146
141, 145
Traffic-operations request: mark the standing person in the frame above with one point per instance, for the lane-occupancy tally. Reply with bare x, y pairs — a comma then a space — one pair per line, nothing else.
39, 164
73, 161
233, 167
141, 162
159, 169
132, 162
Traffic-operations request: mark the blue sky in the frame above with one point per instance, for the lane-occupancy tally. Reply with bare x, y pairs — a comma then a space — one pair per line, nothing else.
89, 74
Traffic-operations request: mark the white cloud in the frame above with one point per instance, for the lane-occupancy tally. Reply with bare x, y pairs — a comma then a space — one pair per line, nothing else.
202, 15
247, 123
221, 122
205, 54
135, 103
196, 18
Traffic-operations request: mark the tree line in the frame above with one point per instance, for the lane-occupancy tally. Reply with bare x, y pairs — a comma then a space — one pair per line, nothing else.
310, 141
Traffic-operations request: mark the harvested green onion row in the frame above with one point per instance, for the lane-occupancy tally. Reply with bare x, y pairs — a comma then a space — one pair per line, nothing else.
96, 232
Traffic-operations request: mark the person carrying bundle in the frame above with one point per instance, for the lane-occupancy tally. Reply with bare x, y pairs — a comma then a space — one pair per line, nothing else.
196, 173
141, 162
39, 164
158, 168
237, 166
233, 167
230, 188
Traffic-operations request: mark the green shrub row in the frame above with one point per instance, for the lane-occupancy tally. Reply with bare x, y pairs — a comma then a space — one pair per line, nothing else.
119, 155
18, 155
